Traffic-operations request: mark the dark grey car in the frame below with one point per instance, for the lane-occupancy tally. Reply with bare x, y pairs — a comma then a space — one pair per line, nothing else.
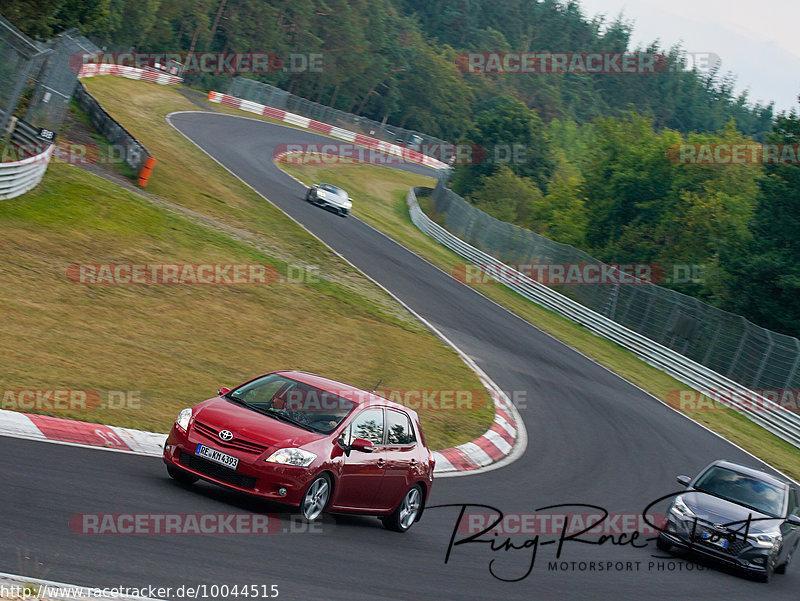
739, 515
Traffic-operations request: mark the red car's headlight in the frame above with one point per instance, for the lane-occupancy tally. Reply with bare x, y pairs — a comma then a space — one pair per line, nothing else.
183, 419
292, 456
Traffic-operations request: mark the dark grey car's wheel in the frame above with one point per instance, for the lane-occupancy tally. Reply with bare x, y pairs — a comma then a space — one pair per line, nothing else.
781, 569
316, 497
407, 511
179, 475
766, 575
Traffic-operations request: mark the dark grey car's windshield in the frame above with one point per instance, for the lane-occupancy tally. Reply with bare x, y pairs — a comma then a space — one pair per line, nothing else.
307, 405
743, 490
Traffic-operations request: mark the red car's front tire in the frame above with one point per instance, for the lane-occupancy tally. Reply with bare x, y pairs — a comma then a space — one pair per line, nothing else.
316, 497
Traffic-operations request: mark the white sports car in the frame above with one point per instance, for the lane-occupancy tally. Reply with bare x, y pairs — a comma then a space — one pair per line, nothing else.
330, 197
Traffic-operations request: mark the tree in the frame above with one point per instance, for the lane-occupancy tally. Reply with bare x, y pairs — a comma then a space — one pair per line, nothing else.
511, 134
508, 197
763, 282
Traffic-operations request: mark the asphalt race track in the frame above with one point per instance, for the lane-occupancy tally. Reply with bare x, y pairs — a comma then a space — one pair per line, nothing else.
592, 439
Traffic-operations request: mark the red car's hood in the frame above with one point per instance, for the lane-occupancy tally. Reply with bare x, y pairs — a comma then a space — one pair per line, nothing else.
223, 414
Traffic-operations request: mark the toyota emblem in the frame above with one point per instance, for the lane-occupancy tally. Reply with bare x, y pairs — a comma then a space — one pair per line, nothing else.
225, 435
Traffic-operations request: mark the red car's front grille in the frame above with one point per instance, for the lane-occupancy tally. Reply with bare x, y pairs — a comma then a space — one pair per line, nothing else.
236, 443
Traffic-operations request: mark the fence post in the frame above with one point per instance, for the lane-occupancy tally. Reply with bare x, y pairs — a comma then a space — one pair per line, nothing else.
793, 371
738, 353
763, 364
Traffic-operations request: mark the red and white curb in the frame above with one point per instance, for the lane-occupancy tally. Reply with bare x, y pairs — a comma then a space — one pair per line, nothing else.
501, 444
66, 431
324, 128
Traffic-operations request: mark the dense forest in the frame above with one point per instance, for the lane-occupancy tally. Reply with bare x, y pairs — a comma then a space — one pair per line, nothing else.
597, 171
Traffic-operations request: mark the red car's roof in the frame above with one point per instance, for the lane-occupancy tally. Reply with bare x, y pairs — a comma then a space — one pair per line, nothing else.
346, 391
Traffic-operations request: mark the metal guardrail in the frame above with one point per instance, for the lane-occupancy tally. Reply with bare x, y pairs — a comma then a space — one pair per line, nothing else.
18, 177
27, 136
770, 415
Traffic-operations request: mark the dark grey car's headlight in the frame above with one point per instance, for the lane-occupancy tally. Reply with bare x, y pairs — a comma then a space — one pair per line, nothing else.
765, 540
681, 509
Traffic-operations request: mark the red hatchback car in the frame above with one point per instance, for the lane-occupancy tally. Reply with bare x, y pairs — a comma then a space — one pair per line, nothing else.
307, 441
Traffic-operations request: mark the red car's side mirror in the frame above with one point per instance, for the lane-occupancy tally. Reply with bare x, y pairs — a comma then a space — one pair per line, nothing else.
223, 391
363, 445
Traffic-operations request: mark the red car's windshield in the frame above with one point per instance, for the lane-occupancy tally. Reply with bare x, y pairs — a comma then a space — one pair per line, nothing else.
305, 405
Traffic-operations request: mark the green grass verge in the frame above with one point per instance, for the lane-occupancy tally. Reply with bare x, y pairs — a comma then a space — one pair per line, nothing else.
380, 199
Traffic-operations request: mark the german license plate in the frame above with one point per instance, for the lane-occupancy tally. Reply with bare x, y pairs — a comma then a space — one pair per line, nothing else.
715, 539
217, 456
